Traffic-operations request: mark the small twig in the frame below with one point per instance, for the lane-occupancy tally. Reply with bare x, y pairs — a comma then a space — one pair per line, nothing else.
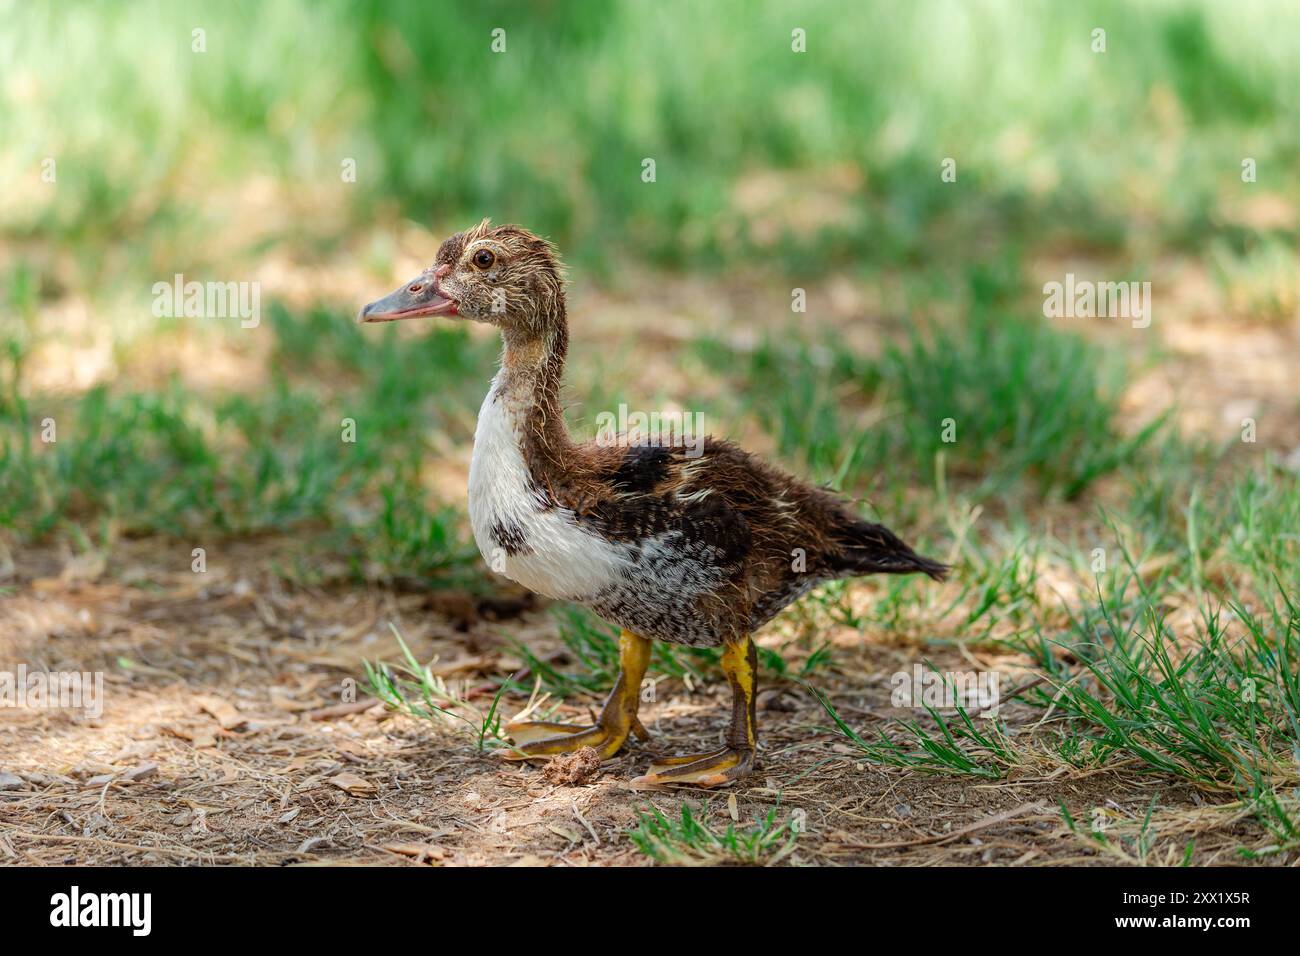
1013, 694
178, 851
583, 820
997, 818
343, 710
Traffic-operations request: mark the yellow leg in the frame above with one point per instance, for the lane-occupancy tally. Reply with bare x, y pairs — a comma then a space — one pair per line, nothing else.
617, 718
736, 759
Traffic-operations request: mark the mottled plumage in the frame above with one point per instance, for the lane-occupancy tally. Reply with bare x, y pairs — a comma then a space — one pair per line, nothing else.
688, 544
691, 550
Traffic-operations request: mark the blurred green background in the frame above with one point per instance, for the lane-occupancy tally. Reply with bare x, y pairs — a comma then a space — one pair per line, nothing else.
775, 169
830, 156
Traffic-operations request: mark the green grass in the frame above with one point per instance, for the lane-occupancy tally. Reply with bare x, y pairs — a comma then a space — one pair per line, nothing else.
1218, 708
1222, 712
1131, 849
412, 689
1000, 403
962, 745
1261, 280
553, 131
185, 464
1215, 703
690, 841
1024, 400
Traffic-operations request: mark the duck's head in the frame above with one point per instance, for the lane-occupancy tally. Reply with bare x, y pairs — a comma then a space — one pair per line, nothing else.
503, 275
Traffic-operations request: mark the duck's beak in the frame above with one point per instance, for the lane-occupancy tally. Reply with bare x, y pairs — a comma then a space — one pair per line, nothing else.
420, 296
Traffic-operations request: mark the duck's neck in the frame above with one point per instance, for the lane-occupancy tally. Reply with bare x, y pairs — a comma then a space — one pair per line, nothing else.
532, 371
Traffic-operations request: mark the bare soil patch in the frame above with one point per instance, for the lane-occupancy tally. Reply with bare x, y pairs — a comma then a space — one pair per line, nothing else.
227, 737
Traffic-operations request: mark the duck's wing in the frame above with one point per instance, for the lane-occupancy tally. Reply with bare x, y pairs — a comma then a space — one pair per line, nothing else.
727, 508
670, 494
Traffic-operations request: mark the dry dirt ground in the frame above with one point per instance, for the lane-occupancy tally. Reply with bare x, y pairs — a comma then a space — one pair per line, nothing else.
228, 736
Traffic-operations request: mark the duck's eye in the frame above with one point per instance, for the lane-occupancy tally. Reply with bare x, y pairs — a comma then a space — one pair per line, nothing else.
484, 258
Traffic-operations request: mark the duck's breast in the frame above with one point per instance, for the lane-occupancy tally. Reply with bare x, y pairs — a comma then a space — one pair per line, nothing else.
520, 533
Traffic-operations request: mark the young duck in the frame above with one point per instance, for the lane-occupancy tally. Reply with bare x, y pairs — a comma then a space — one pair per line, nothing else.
697, 544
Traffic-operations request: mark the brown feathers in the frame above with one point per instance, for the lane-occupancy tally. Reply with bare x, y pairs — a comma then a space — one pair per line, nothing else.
759, 537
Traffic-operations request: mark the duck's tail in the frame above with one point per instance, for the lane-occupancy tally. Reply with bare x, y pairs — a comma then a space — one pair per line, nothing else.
868, 548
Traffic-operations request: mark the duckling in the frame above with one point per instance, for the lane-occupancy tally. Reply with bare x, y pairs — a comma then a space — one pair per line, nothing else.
693, 543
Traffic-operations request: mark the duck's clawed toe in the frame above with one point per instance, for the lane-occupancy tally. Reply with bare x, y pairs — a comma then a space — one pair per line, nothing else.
542, 738
714, 769
530, 731
534, 739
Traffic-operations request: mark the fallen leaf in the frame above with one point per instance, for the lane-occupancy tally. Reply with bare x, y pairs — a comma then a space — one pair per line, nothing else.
447, 668
227, 716
426, 851
355, 785
344, 710
141, 749
570, 835
283, 701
